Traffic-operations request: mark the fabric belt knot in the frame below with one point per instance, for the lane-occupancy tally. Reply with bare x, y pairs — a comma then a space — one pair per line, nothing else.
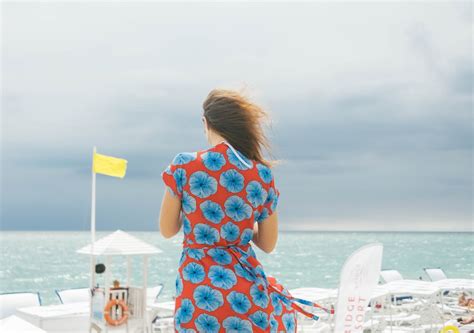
250, 264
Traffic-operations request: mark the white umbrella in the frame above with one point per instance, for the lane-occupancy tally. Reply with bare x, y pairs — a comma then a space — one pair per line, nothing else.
14, 324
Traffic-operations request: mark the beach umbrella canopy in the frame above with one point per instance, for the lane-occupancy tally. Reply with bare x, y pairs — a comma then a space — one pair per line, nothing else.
119, 243
14, 324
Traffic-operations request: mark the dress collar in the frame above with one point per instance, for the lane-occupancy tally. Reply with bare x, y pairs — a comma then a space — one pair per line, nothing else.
237, 154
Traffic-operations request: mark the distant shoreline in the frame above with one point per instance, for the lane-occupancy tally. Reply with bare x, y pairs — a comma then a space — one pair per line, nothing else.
281, 230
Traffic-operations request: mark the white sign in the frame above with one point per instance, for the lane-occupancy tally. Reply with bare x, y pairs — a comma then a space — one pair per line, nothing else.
359, 277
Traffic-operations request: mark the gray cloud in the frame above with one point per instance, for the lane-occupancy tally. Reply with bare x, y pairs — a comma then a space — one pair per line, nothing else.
371, 107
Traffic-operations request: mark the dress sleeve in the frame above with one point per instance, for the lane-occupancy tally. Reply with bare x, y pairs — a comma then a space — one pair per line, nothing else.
172, 177
271, 202
272, 198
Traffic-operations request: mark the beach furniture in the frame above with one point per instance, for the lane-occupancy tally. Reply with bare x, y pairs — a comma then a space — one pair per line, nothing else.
70, 318
401, 329
435, 274
449, 304
9, 302
67, 296
14, 324
456, 284
163, 316
153, 293
389, 275
425, 297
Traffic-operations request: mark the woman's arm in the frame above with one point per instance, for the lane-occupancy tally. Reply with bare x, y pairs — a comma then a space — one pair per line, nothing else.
170, 221
265, 233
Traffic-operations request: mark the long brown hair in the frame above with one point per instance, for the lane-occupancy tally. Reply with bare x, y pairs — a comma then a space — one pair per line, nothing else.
239, 121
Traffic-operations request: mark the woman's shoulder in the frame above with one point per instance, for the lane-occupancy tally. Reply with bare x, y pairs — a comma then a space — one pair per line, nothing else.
188, 157
183, 158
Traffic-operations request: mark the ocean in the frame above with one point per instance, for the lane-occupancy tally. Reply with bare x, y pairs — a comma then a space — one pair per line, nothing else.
45, 261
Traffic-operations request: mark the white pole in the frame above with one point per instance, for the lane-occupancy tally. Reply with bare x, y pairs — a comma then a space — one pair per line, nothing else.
93, 203
145, 318
92, 260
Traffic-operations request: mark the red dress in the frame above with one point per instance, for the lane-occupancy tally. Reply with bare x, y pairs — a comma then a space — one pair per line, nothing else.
221, 286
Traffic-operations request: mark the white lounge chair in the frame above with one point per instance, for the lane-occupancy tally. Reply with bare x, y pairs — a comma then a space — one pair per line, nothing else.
9, 302
14, 324
435, 274
67, 296
153, 293
389, 275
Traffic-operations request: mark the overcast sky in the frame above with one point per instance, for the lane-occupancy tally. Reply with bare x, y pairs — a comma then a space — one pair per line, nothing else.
371, 107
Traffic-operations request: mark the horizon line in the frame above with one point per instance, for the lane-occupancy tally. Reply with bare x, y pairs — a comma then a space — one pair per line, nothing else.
282, 230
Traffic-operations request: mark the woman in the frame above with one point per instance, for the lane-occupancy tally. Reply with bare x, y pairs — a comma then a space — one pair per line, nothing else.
224, 197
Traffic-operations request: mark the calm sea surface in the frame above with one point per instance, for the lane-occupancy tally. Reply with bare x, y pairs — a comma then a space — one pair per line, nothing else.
45, 261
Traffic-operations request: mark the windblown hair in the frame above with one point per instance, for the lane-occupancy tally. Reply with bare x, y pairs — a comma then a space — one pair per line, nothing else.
239, 121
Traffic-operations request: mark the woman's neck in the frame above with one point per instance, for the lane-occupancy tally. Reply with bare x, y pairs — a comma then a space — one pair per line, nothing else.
215, 138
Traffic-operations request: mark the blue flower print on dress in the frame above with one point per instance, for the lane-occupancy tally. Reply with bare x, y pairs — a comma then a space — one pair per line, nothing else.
196, 254
265, 173
207, 324
242, 272
179, 176
273, 324
205, 234
274, 203
220, 256
251, 252
212, 211
270, 196
289, 322
180, 329
213, 161
239, 302
236, 161
188, 203
185, 330
182, 259
259, 270
246, 236
186, 225
259, 296
276, 302
207, 298
185, 312
260, 319
230, 232
183, 158
222, 277
256, 195
202, 185
178, 285
194, 272
237, 209
232, 181
235, 324
260, 216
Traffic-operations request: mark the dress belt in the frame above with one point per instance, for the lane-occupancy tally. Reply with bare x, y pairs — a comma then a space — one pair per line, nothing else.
249, 263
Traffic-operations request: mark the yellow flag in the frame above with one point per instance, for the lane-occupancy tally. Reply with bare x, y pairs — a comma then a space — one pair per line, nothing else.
110, 166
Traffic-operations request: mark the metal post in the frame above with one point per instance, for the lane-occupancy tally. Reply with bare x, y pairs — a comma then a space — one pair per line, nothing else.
145, 284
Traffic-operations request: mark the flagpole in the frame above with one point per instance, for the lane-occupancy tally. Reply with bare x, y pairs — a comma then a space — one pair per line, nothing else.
92, 261
93, 200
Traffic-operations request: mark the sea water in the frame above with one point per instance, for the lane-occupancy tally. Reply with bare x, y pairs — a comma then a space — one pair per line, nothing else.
46, 261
